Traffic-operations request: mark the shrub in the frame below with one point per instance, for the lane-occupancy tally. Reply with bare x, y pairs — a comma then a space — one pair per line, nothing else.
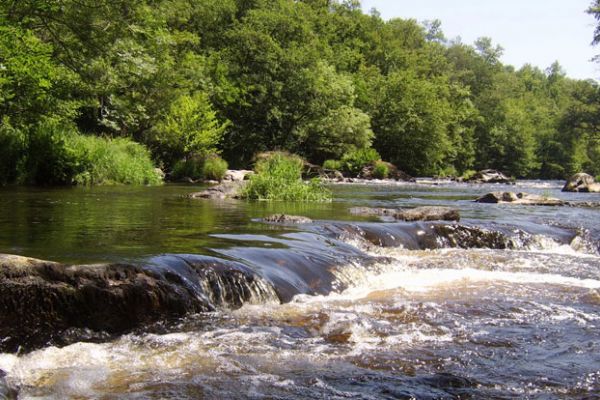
333, 164
214, 168
468, 174
190, 168
380, 170
278, 176
104, 161
355, 161
12, 148
49, 160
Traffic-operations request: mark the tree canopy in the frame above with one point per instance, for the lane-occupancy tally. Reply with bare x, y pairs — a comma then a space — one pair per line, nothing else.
319, 78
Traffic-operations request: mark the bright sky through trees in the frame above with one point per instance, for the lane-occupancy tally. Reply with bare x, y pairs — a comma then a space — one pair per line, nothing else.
538, 32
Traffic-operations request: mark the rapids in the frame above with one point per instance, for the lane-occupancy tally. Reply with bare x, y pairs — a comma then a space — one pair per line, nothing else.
503, 305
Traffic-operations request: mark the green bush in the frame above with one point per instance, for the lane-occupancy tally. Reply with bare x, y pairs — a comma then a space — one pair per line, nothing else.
214, 168
191, 168
355, 161
103, 161
380, 170
333, 164
278, 176
49, 159
12, 148
468, 174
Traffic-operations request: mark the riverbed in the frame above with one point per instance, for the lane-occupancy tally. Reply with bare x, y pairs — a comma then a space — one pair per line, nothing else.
392, 310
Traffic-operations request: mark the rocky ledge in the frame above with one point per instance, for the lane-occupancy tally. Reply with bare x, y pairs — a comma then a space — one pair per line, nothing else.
287, 219
520, 198
414, 214
42, 301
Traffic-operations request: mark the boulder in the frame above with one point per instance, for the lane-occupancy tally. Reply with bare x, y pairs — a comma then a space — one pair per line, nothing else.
490, 176
44, 302
287, 219
237, 175
583, 183
228, 190
520, 198
414, 214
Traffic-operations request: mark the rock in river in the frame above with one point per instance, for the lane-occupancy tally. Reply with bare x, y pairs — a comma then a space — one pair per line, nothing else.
414, 214
287, 219
489, 176
229, 190
41, 300
520, 198
582, 183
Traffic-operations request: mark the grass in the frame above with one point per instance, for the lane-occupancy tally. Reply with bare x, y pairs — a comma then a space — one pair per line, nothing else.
104, 161
214, 168
380, 170
278, 176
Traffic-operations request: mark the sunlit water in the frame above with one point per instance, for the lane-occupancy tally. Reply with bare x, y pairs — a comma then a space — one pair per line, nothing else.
427, 324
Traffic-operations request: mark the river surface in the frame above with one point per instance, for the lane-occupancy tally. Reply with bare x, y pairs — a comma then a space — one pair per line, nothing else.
397, 311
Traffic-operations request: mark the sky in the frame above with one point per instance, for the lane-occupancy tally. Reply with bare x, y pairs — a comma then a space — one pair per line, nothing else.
537, 32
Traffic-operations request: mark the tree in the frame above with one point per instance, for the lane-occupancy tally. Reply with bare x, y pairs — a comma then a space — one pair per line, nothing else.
190, 128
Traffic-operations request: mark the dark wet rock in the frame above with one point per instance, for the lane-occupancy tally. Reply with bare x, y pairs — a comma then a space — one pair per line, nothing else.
414, 214
393, 173
490, 176
520, 198
583, 183
40, 299
471, 237
287, 219
237, 175
229, 190
423, 236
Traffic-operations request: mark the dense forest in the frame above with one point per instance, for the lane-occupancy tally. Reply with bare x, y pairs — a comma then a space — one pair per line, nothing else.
91, 85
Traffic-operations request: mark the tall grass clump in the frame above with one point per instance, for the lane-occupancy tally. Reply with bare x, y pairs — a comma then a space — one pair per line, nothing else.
105, 161
214, 168
278, 176
354, 161
380, 170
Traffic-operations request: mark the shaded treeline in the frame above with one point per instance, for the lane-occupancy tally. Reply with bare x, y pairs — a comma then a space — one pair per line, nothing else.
318, 78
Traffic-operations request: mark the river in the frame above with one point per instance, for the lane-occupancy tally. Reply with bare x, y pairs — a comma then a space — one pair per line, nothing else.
352, 307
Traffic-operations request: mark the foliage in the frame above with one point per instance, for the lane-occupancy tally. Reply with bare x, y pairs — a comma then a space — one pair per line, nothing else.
317, 78
354, 161
105, 161
190, 128
191, 168
279, 177
380, 170
12, 148
214, 168
333, 164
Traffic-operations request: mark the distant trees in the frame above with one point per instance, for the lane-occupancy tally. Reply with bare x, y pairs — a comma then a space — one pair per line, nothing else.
315, 77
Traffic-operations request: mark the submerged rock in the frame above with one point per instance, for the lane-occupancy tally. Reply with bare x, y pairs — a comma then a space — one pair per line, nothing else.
287, 219
414, 214
490, 176
39, 300
520, 198
583, 183
229, 190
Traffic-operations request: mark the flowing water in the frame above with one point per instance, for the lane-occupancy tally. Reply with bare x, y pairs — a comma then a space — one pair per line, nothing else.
504, 305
